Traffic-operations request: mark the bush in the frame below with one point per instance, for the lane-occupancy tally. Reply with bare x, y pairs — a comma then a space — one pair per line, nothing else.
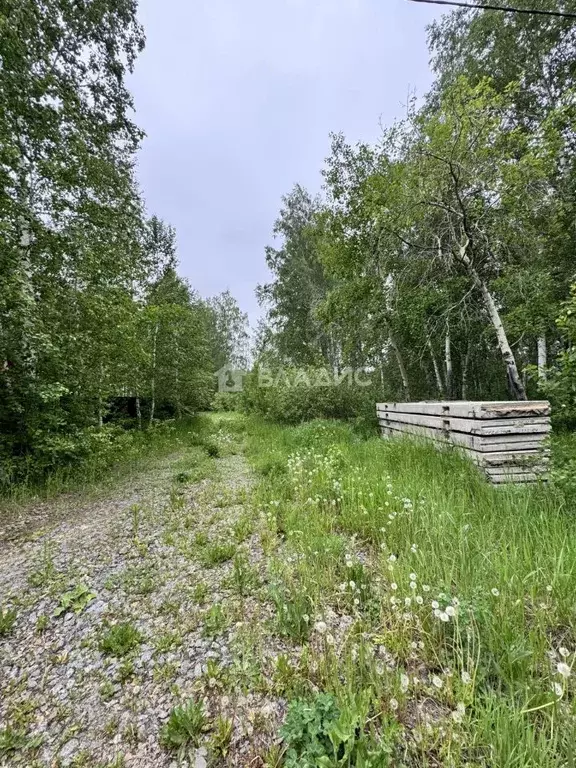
227, 401
297, 396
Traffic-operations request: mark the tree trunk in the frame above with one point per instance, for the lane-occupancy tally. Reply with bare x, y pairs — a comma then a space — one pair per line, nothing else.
542, 357
401, 366
437, 375
515, 384
465, 364
448, 362
153, 382
138, 411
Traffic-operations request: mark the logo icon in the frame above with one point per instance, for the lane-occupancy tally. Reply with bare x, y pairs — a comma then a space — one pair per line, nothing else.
230, 379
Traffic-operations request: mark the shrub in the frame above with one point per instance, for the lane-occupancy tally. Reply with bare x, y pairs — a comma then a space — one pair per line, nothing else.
227, 401
296, 397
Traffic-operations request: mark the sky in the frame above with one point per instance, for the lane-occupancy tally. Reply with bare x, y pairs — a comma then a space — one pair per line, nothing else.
238, 98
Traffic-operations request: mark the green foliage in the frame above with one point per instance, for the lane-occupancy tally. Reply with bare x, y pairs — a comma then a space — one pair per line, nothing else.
294, 611
120, 639
16, 740
227, 402
305, 730
184, 728
217, 553
75, 600
295, 395
214, 620
8, 618
221, 737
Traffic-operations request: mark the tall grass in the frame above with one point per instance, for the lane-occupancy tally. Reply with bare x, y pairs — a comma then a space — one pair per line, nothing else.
470, 588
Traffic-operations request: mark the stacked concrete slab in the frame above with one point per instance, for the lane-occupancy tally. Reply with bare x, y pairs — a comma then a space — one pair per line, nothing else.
506, 439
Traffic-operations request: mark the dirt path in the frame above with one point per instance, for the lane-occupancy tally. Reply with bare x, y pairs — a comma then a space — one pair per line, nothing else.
156, 560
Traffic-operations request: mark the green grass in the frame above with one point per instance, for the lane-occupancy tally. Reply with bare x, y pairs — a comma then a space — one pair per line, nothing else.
439, 591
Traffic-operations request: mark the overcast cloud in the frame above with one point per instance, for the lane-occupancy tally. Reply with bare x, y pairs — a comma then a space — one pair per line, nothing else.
238, 98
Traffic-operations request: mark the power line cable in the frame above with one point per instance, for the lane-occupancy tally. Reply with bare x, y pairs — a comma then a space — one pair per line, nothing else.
506, 9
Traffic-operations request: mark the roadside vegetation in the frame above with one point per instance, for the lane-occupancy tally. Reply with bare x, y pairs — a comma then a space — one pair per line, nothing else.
340, 600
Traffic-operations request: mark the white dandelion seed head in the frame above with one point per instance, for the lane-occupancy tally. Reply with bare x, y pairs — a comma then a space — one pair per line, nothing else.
393, 704
435, 604
558, 690
495, 591
450, 610
563, 669
564, 652
320, 627
437, 682
466, 678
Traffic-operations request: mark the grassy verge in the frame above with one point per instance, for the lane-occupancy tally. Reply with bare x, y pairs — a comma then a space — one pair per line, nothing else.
435, 613
121, 456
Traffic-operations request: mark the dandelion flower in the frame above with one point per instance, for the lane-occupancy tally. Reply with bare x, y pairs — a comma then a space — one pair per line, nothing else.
394, 585
437, 682
412, 585
404, 682
356, 601
466, 678
549, 588
444, 616
392, 558
352, 584
495, 591
407, 601
564, 652
393, 704
435, 604
413, 577
450, 610
558, 690
425, 588
419, 599
342, 587
330, 639
320, 627
563, 669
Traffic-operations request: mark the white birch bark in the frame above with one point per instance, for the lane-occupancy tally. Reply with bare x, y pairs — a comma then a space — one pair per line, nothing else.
542, 357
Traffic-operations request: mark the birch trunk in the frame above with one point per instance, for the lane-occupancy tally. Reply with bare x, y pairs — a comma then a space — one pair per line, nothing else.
465, 364
448, 362
439, 383
542, 357
138, 411
514, 379
153, 382
401, 367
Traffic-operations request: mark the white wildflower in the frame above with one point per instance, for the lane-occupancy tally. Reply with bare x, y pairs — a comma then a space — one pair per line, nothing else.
320, 627
495, 591
444, 616
466, 678
437, 682
435, 604
419, 599
450, 610
394, 585
563, 669
393, 704
564, 652
558, 690
412, 577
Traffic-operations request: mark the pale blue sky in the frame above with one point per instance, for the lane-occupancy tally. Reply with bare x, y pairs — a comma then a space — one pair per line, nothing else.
237, 98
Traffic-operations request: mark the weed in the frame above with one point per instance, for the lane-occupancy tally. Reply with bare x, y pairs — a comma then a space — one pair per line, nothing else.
200, 593
42, 623
120, 639
75, 600
125, 671
242, 528
214, 620
167, 642
217, 553
293, 613
107, 690
243, 575
16, 740
184, 728
221, 737
8, 618
46, 572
